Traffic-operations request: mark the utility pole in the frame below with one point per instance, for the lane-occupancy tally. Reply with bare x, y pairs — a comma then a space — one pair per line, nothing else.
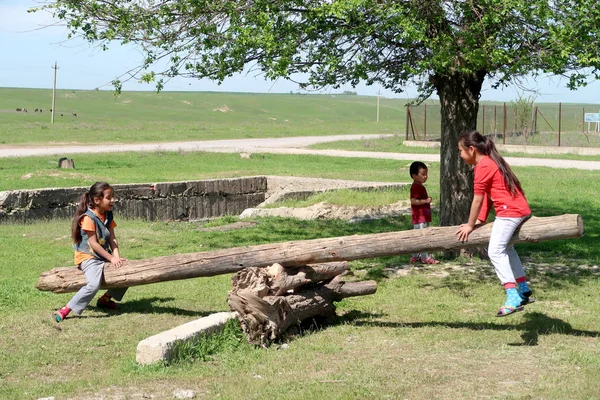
378, 93
53, 95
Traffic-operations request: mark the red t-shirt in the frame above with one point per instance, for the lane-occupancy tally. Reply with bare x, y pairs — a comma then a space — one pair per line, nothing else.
422, 212
490, 184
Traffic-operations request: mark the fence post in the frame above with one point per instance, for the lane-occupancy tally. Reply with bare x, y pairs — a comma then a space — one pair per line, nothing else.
504, 133
407, 112
495, 121
535, 120
483, 122
559, 121
583, 121
425, 123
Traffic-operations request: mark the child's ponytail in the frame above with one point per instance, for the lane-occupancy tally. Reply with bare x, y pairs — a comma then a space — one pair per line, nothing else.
86, 200
487, 147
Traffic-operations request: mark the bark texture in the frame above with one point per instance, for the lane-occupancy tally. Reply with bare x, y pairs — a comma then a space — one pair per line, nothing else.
263, 318
305, 252
459, 103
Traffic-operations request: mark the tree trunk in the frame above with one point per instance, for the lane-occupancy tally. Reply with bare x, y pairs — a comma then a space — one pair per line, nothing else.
459, 100
264, 318
304, 252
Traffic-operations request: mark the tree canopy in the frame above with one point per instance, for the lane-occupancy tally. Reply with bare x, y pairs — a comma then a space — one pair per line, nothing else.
445, 47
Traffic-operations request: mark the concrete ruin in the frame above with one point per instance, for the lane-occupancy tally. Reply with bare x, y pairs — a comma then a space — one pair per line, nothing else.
189, 200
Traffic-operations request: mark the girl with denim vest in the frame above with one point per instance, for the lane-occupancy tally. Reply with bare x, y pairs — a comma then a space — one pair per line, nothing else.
95, 244
495, 183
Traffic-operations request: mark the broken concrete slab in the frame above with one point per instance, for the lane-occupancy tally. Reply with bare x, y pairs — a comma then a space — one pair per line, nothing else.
158, 347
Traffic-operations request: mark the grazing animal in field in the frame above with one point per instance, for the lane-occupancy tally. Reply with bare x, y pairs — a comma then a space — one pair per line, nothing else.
24, 110
61, 115
36, 110
19, 109
74, 114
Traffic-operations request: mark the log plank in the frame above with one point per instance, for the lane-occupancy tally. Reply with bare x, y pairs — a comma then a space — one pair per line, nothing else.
304, 252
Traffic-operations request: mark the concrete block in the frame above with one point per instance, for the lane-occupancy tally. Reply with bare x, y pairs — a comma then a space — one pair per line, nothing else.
158, 347
134, 191
12, 199
50, 198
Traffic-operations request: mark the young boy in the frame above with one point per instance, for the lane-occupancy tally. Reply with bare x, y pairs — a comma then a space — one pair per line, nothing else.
420, 207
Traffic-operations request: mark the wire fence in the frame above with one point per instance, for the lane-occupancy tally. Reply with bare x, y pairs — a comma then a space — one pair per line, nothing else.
537, 125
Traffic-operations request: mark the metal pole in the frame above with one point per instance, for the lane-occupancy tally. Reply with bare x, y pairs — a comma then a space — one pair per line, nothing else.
559, 121
53, 95
483, 121
495, 121
378, 93
425, 123
407, 112
504, 133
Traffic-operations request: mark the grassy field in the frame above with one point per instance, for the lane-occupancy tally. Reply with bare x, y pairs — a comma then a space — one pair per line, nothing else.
136, 117
428, 333
395, 145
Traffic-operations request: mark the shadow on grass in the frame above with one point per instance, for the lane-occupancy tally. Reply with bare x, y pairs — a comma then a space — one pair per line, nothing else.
149, 306
534, 324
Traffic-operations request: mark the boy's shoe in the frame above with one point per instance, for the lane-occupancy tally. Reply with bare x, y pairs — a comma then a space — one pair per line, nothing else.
414, 260
429, 260
106, 303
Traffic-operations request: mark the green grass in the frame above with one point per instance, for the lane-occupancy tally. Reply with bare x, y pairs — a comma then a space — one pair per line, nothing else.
37, 172
137, 117
428, 332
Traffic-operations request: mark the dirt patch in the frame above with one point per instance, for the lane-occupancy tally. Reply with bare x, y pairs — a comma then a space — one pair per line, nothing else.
329, 211
279, 186
282, 187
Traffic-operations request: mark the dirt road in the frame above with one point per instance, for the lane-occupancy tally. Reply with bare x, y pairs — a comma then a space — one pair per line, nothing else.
290, 145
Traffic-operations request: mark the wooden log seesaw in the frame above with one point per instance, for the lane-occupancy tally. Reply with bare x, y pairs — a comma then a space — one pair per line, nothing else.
297, 285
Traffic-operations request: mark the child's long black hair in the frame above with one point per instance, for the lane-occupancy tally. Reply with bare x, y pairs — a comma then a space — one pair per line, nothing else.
487, 147
86, 200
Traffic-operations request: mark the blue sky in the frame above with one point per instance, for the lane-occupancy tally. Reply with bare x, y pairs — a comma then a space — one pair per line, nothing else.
28, 53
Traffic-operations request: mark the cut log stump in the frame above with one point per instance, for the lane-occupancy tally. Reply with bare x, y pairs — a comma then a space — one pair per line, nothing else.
265, 316
303, 252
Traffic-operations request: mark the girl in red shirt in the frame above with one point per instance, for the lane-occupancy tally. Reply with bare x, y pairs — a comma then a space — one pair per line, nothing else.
496, 184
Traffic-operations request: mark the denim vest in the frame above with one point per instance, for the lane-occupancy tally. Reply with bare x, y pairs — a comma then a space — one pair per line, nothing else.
102, 234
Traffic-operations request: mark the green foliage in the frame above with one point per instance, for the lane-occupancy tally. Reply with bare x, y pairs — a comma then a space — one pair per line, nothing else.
523, 109
347, 41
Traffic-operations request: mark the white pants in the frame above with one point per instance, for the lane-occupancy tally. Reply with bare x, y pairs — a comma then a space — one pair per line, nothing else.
422, 225
503, 256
